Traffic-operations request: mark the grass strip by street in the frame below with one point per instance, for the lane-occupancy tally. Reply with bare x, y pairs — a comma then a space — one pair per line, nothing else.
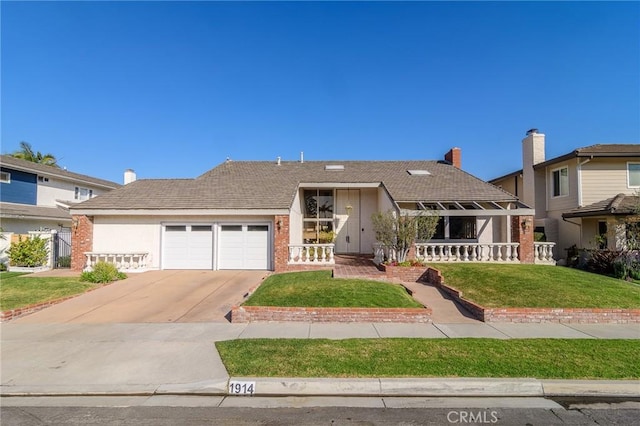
403, 357
319, 289
19, 290
538, 286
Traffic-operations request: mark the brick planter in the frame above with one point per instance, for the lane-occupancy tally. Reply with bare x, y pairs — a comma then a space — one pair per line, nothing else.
275, 313
410, 274
535, 315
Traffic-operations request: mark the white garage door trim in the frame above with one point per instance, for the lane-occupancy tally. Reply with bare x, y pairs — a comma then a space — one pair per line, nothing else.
187, 246
244, 246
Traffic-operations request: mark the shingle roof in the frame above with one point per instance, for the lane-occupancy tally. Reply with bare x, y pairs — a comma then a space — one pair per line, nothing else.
598, 150
621, 204
19, 164
267, 185
11, 210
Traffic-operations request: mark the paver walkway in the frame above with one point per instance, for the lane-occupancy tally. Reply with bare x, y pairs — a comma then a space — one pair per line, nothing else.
444, 309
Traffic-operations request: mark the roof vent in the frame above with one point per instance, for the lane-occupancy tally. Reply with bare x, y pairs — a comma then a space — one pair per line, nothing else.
334, 167
532, 131
419, 172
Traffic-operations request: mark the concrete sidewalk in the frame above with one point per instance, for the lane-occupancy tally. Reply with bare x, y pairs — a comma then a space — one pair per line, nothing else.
157, 359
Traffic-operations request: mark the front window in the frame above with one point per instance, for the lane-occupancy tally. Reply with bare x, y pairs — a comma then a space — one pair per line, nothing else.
5, 177
317, 225
83, 193
633, 175
462, 228
560, 182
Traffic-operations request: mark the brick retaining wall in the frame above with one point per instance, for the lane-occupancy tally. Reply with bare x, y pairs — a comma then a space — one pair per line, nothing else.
535, 315
274, 313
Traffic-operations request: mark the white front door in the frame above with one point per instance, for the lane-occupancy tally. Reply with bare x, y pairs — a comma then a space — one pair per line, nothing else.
348, 218
187, 247
243, 246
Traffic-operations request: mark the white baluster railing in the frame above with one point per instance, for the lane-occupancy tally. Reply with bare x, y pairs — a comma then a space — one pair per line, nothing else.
467, 252
543, 253
125, 262
311, 254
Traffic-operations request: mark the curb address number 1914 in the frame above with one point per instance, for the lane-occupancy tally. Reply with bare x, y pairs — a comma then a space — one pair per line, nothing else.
241, 388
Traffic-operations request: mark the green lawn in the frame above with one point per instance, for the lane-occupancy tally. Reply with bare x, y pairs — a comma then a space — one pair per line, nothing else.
534, 358
318, 289
18, 290
538, 286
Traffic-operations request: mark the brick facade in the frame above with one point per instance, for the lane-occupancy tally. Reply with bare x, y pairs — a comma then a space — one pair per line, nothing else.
522, 233
281, 243
274, 313
81, 240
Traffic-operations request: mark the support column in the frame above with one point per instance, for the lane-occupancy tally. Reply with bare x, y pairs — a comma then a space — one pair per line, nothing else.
281, 243
81, 240
522, 233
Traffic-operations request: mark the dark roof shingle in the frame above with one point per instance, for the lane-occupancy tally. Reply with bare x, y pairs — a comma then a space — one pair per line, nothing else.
267, 185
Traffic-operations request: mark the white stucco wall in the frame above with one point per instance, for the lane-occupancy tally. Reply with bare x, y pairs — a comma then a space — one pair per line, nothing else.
295, 221
124, 234
23, 226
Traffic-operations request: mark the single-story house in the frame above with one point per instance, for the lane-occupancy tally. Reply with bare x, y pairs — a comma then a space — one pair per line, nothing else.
287, 215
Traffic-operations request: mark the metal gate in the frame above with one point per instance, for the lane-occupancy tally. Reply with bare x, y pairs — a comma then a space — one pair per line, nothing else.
62, 248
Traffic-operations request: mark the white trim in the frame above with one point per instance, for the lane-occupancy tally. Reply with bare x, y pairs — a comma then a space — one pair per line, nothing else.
7, 179
179, 212
338, 185
579, 170
628, 181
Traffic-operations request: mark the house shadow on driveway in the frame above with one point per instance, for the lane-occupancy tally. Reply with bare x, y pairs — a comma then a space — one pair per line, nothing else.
174, 296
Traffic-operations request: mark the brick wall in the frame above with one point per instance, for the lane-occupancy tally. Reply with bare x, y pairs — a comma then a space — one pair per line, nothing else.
274, 313
81, 240
522, 232
410, 274
281, 243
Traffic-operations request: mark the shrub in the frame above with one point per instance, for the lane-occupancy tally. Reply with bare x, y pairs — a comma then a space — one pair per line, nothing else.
64, 261
3, 267
627, 266
103, 272
601, 261
30, 252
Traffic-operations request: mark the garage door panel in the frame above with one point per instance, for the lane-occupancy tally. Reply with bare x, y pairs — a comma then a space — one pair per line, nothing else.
188, 247
244, 247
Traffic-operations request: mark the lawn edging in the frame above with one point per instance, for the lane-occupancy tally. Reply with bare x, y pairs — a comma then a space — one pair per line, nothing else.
534, 315
30, 309
321, 314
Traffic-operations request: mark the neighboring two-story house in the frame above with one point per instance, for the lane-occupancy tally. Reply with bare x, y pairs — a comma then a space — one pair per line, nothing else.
35, 197
582, 198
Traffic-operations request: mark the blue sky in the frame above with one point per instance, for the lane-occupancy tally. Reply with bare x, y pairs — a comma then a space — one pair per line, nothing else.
172, 89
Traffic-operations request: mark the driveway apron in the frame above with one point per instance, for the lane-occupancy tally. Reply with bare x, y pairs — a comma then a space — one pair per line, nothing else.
156, 297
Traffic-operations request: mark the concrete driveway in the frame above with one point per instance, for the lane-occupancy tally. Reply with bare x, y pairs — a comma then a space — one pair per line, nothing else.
156, 297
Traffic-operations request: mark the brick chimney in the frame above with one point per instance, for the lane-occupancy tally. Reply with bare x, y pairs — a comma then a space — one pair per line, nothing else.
454, 156
532, 154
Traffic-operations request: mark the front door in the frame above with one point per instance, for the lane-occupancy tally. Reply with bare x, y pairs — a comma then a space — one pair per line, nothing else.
348, 221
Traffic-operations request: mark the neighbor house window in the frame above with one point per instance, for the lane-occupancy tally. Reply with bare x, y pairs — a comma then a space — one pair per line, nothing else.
560, 182
317, 225
633, 175
83, 193
5, 177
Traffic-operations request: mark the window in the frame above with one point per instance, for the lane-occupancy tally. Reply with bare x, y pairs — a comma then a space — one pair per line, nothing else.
633, 175
560, 182
317, 225
462, 228
175, 228
5, 177
83, 193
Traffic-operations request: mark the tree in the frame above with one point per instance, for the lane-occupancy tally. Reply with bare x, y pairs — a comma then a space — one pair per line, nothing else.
399, 232
27, 153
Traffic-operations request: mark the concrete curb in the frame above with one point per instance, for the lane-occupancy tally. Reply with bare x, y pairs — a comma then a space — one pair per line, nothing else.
368, 387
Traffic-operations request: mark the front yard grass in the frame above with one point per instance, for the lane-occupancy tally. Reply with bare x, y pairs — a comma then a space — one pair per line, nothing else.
538, 286
319, 289
18, 290
531, 358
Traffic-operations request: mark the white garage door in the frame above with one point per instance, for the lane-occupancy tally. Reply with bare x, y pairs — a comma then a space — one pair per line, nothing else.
244, 247
188, 247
